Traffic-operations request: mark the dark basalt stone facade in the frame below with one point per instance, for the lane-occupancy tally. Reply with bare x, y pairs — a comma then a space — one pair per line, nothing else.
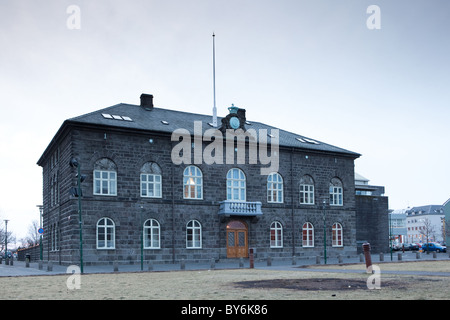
116, 146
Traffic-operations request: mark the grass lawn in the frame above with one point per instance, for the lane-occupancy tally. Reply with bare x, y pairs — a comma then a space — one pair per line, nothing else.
238, 284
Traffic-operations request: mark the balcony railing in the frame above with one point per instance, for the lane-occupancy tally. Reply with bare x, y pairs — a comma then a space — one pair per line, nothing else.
240, 208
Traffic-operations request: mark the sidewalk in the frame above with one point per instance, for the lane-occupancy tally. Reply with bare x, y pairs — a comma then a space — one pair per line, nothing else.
19, 269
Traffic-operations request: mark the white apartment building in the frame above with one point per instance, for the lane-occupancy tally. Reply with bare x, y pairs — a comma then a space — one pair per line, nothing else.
424, 224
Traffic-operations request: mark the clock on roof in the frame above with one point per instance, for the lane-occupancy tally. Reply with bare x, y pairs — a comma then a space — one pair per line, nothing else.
234, 120
235, 123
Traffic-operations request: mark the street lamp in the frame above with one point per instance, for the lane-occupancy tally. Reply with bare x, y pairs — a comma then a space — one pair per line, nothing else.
6, 239
324, 232
142, 237
78, 193
41, 209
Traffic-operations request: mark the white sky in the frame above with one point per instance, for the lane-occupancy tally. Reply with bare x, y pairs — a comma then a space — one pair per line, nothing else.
310, 67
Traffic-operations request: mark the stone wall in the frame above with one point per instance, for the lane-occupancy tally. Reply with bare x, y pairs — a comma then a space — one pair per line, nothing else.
130, 150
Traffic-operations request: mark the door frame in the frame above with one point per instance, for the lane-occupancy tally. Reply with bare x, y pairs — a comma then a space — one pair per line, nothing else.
236, 227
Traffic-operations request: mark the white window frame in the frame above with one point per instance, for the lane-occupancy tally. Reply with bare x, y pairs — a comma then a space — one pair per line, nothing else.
276, 235
274, 188
192, 183
105, 229
306, 194
155, 185
236, 185
152, 234
336, 193
193, 235
109, 180
337, 235
308, 230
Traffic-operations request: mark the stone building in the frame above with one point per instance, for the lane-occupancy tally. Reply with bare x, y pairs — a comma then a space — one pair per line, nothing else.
168, 184
372, 215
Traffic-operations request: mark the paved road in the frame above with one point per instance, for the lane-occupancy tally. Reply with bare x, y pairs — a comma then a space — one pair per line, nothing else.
19, 268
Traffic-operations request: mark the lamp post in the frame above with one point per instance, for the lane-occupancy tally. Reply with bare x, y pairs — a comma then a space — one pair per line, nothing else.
142, 238
6, 239
78, 193
390, 234
324, 232
41, 209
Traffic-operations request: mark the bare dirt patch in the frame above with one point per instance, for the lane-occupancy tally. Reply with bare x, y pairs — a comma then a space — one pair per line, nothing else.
314, 284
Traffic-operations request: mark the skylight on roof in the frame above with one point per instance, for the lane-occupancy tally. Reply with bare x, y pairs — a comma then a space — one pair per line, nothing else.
164, 122
116, 117
310, 141
306, 140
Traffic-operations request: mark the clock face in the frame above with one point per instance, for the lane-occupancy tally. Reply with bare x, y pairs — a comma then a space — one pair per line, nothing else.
234, 122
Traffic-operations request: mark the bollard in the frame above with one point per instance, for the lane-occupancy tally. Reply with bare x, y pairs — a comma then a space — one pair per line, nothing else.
41, 265
241, 263
434, 255
317, 259
27, 262
252, 259
182, 264
366, 249
150, 266
11, 261
269, 261
340, 259
294, 261
50, 266
7, 261
212, 263
417, 255
399, 256
381, 256
115, 266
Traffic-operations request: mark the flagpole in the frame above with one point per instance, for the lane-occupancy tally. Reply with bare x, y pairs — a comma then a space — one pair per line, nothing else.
214, 83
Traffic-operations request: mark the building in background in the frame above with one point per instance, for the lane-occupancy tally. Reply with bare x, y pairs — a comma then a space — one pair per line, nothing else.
397, 225
372, 219
446, 225
425, 223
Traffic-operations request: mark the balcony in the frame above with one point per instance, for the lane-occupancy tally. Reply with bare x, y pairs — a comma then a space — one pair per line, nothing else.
240, 208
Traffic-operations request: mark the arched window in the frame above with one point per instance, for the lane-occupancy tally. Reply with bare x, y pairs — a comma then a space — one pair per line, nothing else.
236, 185
105, 234
308, 235
274, 188
337, 240
193, 183
151, 181
105, 178
151, 234
306, 190
276, 235
336, 198
193, 235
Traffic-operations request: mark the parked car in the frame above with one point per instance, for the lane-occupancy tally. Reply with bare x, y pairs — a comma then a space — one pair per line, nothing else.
433, 246
414, 246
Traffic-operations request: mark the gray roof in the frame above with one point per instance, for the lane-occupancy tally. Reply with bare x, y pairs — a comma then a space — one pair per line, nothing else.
129, 116
425, 210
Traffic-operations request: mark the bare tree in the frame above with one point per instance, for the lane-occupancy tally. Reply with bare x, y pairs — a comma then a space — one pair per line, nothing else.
33, 234
427, 229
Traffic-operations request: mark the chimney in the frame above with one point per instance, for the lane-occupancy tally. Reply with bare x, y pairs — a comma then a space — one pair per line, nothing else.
147, 101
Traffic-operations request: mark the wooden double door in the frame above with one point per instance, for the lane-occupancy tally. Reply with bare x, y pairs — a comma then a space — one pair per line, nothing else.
237, 239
